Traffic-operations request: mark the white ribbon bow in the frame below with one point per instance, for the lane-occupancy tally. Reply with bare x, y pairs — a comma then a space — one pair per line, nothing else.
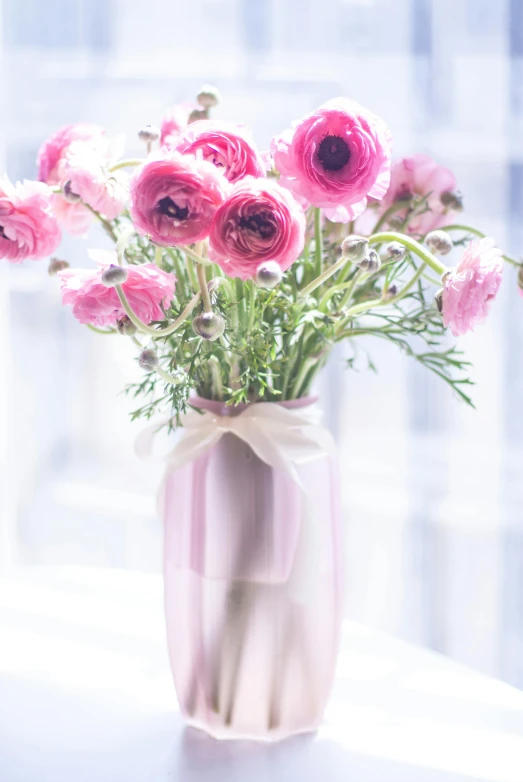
279, 436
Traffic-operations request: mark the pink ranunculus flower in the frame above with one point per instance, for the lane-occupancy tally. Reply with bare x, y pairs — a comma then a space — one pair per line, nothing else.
420, 176
53, 152
174, 122
174, 198
336, 158
260, 221
230, 147
73, 218
28, 228
88, 176
147, 288
469, 289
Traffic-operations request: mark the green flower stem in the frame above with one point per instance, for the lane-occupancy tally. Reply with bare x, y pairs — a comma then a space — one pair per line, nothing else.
101, 331
388, 213
322, 277
147, 329
363, 306
217, 385
191, 272
158, 256
318, 242
412, 245
251, 305
173, 381
475, 232
202, 281
196, 256
179, 272
307, 365
127, 163
358, 276
240, 298
105, 223
227, 286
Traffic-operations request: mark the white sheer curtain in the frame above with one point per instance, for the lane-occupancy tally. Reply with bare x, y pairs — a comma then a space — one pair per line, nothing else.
432, 491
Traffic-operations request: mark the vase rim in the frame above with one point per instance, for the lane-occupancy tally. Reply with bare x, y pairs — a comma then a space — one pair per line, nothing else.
221, 408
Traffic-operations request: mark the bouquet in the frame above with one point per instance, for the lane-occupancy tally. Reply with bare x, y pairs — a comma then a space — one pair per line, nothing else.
234, 271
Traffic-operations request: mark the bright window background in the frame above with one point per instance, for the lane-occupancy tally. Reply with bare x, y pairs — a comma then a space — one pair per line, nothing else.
433, 493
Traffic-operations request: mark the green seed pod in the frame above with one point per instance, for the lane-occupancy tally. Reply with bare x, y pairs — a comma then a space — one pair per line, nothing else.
114, 275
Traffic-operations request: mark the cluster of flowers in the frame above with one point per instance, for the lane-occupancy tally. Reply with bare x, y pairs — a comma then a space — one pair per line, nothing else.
208, 190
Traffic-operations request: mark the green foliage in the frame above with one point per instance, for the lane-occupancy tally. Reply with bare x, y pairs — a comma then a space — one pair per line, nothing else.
276, 342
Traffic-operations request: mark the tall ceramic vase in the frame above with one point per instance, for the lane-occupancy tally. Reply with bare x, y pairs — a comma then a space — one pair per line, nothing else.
249, 658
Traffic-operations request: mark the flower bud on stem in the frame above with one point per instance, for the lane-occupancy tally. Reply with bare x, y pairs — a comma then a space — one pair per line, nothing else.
149, 134
208, 97
56, 265
209, 325
114, 275
147, 329
363, 306
412, 245
268, 275
202, 281
439, 242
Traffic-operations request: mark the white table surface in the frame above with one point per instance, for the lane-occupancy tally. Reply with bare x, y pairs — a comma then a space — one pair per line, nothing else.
86, 696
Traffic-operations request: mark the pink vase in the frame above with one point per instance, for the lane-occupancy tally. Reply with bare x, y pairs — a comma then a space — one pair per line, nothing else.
249, 659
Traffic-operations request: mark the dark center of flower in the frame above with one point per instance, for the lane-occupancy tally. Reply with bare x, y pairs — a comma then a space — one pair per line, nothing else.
259, 223
404, 194
166, 206
333, 153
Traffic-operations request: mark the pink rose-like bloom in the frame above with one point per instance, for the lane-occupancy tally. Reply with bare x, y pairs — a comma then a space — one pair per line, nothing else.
73, 218
174, 198
336, 158
420, 175
470, 288
54, 150
260, 221
174, 122
147, 287
228, 146
28, 228
87, 175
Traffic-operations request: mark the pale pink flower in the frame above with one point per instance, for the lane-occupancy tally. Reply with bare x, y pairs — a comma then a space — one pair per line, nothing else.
147, 288
88, 176
73, 218
28, 228
260, 221
469, 289
174, 198
336, 158
174, 122
420, 176
228, 146
81, 155
54, 150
